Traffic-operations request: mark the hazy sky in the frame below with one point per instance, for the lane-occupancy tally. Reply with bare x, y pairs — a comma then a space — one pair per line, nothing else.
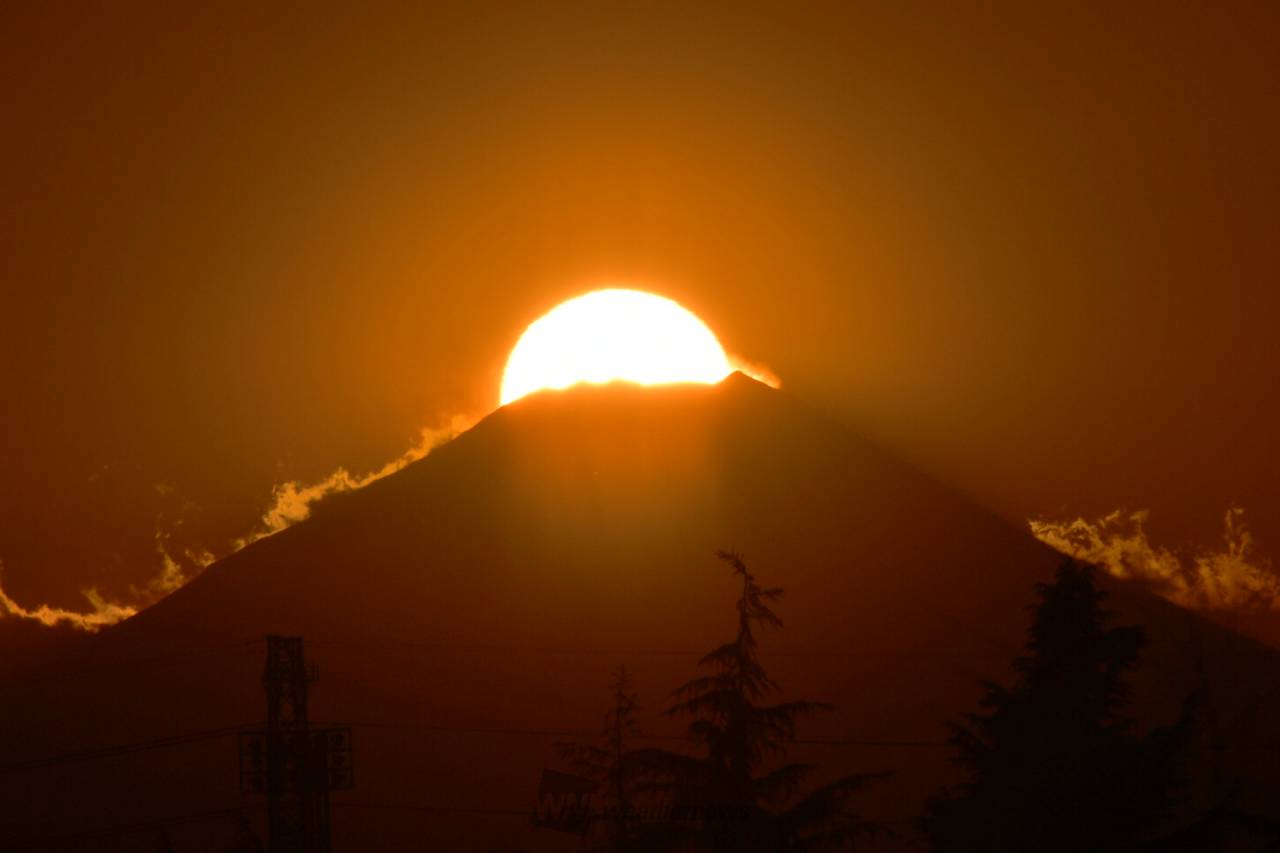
1034, 252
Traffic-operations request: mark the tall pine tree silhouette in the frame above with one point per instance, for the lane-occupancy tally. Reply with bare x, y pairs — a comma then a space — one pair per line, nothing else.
1053, 764
612, 765
724, 798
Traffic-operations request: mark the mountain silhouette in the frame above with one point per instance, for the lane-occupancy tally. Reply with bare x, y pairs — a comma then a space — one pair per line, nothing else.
465, 614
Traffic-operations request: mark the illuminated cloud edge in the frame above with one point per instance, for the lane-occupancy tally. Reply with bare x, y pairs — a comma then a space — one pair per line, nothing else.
291, 502
1230, 576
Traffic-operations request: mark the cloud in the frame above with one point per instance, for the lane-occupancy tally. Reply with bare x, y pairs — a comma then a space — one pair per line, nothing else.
103, 611
174, 572
292, 501
100, 614
757, 371
1229, 577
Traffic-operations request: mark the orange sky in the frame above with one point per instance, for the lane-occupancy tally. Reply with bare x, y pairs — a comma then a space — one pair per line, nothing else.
1033, 252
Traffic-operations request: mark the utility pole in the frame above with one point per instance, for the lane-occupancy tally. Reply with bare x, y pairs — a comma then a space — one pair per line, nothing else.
294, 764
297, 807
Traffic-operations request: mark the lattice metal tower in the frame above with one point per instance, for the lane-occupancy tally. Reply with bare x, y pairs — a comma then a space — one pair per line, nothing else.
297, 783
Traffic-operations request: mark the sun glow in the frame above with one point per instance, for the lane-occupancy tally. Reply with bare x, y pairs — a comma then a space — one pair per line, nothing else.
609, 335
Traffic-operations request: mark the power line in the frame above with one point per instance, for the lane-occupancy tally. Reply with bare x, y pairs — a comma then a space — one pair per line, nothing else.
629, 652
477, 810
120, 749
228, 731
142, 826
492, 812
107, 667
568, 733
110, 666
211, 734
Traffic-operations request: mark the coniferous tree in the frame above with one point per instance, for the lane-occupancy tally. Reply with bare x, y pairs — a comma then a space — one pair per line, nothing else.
610, 764
1052, 762
246, 840
724, 798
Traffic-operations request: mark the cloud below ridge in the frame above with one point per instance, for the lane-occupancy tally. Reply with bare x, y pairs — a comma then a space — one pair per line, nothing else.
101, 613
1231, 576
291, 503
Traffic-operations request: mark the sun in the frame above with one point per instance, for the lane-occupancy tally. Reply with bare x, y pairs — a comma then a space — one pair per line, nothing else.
610, 335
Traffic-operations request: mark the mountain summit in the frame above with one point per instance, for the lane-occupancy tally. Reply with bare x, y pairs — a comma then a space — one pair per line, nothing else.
466, 611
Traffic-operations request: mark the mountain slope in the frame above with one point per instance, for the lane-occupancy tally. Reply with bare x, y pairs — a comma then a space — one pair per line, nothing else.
469, 606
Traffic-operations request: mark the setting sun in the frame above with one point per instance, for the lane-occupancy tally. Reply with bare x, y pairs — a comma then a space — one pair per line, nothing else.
609, 335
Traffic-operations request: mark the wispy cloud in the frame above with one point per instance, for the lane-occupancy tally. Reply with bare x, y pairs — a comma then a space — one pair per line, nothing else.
104, 611
756, 370
291, 502
100, 613
1226, 577
174, 571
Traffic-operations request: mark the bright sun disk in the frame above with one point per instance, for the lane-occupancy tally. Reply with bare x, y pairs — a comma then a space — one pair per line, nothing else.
609, 335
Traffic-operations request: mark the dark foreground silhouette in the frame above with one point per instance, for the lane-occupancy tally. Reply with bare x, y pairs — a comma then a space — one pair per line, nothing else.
464, 613
1051, 763
731, 794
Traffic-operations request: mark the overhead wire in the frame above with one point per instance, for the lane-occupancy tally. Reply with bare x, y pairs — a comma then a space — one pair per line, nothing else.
109, 666
120, 749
